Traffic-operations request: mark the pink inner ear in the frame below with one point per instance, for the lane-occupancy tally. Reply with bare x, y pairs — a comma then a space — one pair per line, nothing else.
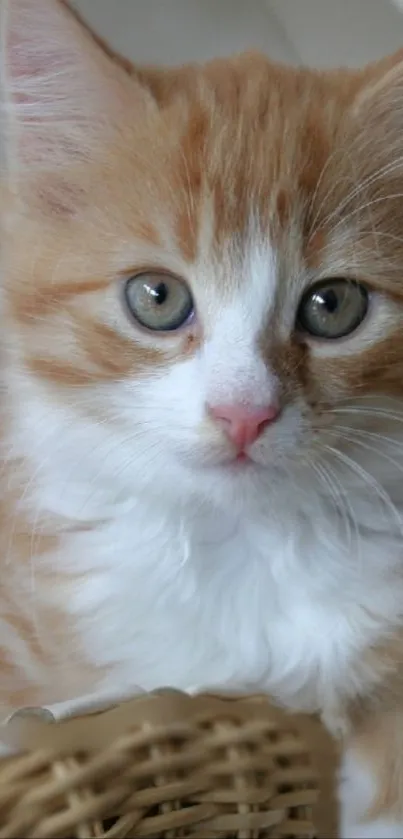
49, 79
62, 91
30, 69
22, 59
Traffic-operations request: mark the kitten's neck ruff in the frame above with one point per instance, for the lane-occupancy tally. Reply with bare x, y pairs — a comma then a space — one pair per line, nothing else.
237, 606
266, 600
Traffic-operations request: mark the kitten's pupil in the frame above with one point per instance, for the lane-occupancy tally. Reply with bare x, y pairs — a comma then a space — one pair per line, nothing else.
329, 301
159, 293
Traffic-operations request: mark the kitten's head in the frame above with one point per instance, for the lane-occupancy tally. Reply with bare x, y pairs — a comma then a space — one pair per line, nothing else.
202, 267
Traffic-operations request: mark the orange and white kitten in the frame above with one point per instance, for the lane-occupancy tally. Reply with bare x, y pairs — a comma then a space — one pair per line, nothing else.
202, 386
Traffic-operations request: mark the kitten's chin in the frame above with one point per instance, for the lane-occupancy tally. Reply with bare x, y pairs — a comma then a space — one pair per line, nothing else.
228, 474
239, 486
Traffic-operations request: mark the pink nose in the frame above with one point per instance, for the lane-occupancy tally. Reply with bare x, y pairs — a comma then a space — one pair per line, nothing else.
243, 425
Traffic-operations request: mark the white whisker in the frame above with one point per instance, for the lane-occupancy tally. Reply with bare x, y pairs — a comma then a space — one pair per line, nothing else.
367, 480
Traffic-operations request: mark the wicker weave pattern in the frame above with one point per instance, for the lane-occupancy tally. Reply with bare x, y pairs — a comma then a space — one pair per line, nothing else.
221, 768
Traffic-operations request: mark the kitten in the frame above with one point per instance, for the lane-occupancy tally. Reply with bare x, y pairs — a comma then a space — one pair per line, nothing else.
202, 386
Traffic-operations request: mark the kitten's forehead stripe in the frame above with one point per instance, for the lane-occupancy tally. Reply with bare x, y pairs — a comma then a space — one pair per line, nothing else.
189, 172
248, 145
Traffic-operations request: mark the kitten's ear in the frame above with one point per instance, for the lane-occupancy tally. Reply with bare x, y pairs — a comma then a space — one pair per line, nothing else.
59, 89
380, 98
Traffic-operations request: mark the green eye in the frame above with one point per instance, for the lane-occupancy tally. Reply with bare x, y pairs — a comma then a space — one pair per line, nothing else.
160, 302
333, 308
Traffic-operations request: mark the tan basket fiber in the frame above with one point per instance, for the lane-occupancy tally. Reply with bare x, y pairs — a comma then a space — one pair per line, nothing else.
168, 765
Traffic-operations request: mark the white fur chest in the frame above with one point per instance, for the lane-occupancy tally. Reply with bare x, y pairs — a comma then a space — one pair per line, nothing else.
231, 604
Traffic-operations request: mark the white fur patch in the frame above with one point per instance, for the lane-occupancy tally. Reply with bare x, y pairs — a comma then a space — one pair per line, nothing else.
357, 792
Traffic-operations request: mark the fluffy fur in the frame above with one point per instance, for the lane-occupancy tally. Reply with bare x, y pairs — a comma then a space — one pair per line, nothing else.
133, 550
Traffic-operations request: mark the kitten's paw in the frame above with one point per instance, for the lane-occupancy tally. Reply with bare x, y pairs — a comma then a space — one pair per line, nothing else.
382, 828
357, 792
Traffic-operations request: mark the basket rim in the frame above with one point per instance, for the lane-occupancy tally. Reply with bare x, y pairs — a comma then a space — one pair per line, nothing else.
30, 730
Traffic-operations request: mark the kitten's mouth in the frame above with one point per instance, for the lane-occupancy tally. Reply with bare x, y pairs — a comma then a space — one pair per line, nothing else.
241, 461
242, 457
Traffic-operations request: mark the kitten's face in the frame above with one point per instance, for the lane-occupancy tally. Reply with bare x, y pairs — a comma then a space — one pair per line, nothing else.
213, 288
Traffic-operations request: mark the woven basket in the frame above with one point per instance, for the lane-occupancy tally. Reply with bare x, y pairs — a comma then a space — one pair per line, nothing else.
168, 765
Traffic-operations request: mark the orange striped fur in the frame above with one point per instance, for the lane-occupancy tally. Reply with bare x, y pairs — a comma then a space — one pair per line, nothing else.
249, 182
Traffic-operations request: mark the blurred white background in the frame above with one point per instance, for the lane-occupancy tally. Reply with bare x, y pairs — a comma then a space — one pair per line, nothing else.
319, 32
